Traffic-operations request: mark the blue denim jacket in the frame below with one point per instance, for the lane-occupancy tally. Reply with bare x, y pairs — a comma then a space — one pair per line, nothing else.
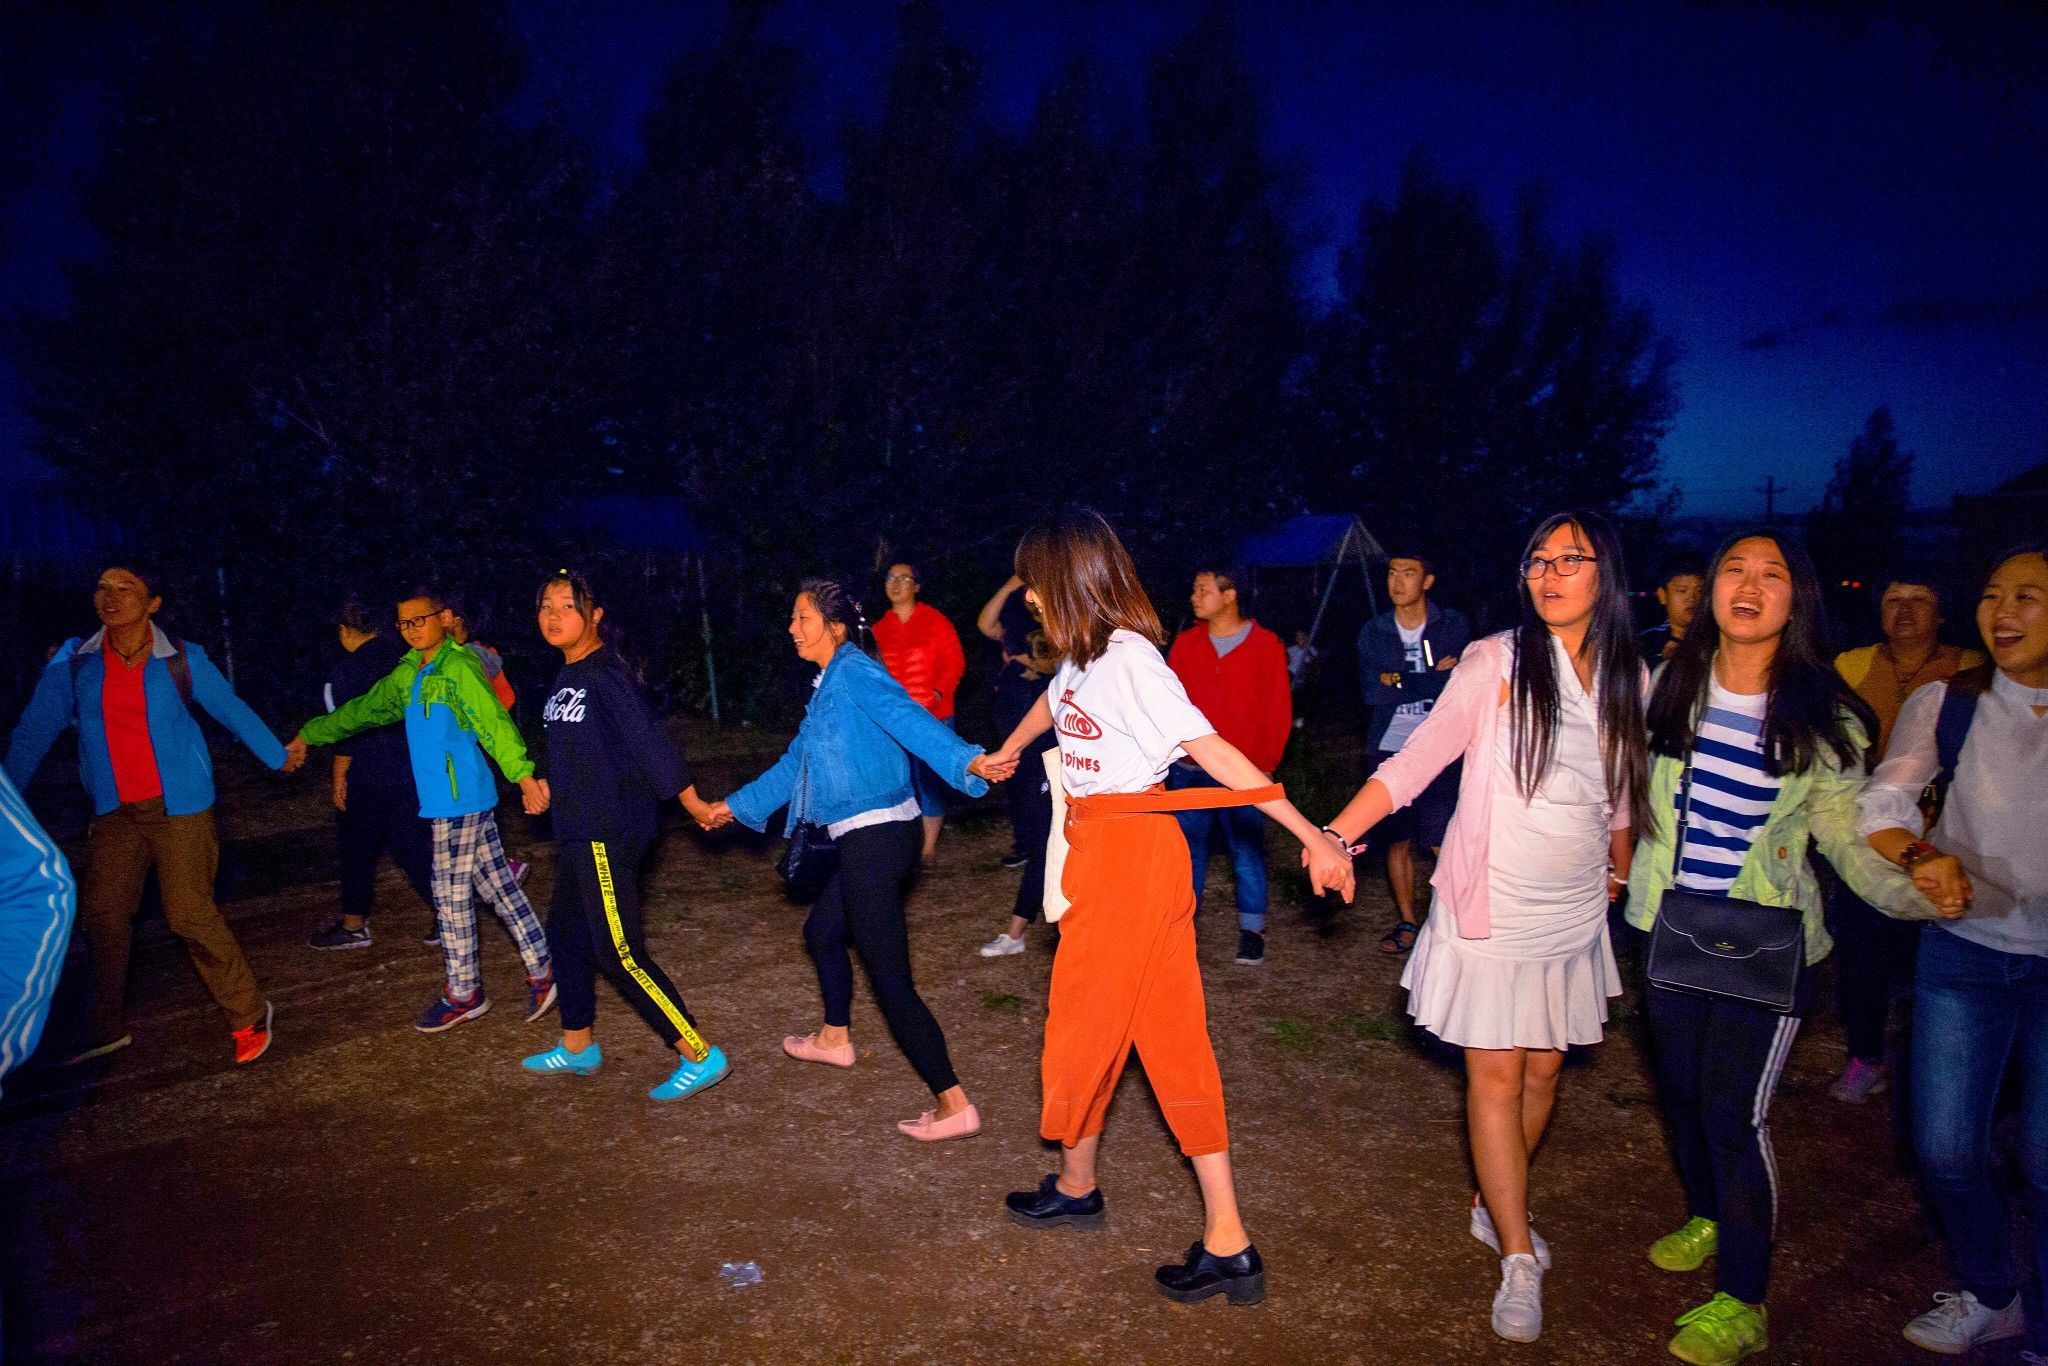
850, 750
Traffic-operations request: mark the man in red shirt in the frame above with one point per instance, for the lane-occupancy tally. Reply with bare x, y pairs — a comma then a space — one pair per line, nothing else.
1235, 671
921, 650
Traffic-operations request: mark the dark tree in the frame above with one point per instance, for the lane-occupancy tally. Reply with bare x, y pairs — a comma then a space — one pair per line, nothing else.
322, 339
1858, 533
1472, 379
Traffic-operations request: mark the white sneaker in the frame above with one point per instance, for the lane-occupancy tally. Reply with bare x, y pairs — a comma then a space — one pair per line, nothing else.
1959, 1322
1484, 1231
1518, 1304
1002, 946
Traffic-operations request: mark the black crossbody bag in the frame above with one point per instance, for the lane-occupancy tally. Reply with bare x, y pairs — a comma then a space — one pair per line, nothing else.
810, 858
1722, 945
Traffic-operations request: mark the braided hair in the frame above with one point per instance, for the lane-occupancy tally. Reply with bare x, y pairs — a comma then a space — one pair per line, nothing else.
839, 607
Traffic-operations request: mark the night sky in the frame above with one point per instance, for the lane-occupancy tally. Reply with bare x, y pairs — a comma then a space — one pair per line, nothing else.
1826, 216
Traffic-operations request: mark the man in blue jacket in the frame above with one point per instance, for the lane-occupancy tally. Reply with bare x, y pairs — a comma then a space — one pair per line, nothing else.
129, 689
36, 904
1405, 656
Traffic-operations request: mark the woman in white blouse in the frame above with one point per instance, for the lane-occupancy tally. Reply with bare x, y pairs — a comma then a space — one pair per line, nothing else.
1980, 992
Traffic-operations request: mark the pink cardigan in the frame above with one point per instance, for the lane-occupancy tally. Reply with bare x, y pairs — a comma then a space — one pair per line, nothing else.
1465, 722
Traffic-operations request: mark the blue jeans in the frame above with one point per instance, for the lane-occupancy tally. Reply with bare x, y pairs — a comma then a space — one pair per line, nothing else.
929, 786
1973, 1009
1244, 834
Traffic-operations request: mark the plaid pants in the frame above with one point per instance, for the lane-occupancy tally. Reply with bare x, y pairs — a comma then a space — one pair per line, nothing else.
468, 858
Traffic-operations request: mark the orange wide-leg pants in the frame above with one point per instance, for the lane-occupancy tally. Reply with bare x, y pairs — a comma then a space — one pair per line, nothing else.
1126, 976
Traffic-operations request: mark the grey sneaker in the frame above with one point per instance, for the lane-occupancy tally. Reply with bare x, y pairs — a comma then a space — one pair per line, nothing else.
1518, 1304
1959, 1322
1002, 946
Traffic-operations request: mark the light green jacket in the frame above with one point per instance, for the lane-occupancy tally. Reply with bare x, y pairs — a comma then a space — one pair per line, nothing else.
1814, 807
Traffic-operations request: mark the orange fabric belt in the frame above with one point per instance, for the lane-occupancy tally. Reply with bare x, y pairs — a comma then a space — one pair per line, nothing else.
1157, 799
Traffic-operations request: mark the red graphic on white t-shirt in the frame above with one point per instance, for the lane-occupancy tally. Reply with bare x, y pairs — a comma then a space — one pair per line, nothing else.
1075, 722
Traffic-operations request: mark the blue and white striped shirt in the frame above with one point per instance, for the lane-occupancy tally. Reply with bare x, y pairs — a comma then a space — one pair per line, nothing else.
1731, 794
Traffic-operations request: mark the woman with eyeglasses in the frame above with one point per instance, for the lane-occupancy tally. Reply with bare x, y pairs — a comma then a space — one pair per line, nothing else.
1548, 719
1757, 751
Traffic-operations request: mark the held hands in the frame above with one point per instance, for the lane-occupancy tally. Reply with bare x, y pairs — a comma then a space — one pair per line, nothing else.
534, 794
716, 816
295, 756
698, 808
993, 768
1328, 860
1941, 879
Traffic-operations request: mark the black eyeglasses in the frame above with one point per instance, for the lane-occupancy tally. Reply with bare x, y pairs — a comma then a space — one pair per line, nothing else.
1564, 566
414, 623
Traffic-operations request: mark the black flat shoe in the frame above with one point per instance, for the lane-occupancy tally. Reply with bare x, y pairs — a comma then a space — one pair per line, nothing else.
1242, 1277
1049, 1205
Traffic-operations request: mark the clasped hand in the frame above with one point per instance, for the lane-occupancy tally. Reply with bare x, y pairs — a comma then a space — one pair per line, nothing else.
1328, 860
994, 768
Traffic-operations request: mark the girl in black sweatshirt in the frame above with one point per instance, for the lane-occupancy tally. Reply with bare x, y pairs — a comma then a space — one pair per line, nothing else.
609, 762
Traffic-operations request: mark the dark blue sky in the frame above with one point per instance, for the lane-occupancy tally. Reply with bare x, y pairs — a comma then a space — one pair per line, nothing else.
1826, 216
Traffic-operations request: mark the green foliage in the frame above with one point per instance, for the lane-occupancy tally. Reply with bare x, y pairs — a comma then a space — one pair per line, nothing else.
1859, 529
1002, 1001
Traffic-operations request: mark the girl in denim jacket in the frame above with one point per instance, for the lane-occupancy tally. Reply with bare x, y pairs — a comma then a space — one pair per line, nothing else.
847, 771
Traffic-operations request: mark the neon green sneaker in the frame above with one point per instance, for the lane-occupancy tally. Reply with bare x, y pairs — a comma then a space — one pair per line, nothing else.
1722, 1330
1686, 1249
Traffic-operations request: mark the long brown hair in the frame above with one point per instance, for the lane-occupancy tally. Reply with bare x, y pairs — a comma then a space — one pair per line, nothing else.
1086, 585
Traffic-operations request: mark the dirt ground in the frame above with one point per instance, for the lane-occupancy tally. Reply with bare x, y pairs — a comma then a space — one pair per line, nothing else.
369, 1193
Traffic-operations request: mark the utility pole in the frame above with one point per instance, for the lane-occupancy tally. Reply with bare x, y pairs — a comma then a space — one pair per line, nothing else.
1770, 489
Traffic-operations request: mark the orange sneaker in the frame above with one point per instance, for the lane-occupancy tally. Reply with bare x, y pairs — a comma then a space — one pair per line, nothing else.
253, 1042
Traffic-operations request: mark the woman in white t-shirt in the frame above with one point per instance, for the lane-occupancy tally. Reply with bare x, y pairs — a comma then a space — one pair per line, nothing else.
1126, 974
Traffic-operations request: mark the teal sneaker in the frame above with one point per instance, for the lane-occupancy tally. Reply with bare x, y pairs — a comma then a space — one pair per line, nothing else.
692, 1077
560, 1059
1689, 1247
1722, 1330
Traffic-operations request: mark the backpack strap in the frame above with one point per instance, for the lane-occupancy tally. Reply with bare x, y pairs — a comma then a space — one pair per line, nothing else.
1952, 727
181, 669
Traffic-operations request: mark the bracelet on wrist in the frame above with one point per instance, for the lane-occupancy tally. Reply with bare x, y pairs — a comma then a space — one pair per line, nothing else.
1917, 853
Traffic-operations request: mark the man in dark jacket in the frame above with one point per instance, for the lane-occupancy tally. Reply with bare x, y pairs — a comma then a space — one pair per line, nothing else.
376, 807
1405, 657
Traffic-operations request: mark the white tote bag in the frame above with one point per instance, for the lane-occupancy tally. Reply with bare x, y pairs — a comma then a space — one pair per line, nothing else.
1055, 899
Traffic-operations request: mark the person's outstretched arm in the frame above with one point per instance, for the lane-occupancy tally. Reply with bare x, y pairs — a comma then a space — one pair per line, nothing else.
1329, 863
47, 716
211, 690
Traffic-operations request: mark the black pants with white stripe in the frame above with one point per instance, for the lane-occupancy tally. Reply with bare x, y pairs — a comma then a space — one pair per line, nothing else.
594, 927
1718, 1061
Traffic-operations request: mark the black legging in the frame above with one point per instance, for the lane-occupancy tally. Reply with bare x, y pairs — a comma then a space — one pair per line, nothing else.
863, 903
1030, 800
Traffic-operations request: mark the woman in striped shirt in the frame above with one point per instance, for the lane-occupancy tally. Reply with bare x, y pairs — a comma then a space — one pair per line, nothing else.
1758, 749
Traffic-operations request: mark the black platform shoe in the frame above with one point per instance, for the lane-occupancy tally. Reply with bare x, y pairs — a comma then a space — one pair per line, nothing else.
1049, 1205
1242, 1277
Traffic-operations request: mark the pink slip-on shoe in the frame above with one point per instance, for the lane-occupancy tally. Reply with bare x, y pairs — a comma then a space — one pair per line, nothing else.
928, 1128
805, 1047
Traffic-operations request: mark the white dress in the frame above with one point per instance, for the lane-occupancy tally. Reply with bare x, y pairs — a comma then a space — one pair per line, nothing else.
1542, 979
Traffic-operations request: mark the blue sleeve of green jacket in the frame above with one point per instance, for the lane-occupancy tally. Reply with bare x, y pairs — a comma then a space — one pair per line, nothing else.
37, 902
918, 731
212, 691
48, 715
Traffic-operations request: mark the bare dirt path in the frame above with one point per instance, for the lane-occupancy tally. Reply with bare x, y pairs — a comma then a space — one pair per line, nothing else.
369, 1193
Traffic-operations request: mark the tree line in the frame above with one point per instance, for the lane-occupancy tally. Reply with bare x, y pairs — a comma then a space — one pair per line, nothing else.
354, 319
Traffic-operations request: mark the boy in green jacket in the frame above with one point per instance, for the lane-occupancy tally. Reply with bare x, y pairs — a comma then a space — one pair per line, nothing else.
452, 717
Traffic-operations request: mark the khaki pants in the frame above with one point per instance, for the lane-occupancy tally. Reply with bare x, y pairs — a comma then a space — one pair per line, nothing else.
185, 851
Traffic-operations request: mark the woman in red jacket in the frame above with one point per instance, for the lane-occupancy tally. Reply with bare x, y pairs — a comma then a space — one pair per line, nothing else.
921, 650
